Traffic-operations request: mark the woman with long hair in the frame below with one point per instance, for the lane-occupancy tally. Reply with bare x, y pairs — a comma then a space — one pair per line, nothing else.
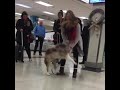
70, 31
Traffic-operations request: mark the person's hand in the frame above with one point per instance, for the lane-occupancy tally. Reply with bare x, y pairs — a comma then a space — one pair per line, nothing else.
21, 30
75, 63
27, 35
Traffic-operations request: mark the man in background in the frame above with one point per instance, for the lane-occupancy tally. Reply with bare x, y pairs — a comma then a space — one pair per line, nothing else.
39, 32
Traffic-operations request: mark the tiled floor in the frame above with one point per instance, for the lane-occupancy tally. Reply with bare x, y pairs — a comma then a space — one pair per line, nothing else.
30, 76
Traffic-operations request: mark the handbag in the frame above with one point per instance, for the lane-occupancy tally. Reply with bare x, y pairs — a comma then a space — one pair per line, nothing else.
31, 38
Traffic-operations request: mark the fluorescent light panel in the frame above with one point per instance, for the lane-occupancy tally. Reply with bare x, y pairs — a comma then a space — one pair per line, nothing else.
48, 13
43, 3
22, 5
83, 17
86, 1
64, 11
41, 19
18, 13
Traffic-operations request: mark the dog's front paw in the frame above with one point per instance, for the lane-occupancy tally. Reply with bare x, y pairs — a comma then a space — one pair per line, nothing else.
48, 73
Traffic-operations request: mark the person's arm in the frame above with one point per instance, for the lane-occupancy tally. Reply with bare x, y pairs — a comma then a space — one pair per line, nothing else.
54, 26
65, 40
18, 25
44, 32
31, 25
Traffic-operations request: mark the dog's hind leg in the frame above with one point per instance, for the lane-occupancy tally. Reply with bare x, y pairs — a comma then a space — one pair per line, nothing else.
47, 66
48, 70
54, 67
68, 57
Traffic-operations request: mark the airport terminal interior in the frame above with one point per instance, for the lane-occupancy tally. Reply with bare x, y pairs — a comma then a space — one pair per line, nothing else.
31, 75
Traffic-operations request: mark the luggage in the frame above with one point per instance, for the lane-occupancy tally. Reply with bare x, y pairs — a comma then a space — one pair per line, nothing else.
31, 38
19, 50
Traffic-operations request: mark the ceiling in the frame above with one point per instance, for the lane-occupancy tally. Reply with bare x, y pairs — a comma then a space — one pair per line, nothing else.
79, 8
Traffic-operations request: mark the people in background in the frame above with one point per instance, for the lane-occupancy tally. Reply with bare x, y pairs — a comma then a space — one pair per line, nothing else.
24, 25
39, 32
85, 37
71, 37
57, 26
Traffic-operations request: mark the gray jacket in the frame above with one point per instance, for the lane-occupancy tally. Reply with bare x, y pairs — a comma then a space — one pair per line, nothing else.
77, 40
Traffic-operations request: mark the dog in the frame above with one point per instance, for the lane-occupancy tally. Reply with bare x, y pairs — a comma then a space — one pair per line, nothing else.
52, 55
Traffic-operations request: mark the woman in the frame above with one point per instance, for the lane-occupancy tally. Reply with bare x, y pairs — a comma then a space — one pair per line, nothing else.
71, 36
24, 25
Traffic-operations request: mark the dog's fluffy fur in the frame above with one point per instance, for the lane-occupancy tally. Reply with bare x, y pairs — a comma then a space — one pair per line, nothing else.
56, 53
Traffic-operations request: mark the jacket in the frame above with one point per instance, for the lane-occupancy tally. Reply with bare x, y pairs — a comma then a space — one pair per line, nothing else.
78, 40
26, 30
56, 26
39, 31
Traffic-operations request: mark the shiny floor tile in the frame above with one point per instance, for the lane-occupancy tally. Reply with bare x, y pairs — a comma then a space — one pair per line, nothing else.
31, 76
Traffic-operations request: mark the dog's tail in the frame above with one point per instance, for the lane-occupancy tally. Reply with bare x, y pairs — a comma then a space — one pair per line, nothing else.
69, 58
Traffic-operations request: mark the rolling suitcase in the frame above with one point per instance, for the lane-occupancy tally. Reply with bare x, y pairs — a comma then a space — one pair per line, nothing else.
19, 50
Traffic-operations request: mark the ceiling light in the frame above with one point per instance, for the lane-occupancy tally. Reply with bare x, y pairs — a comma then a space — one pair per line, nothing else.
83, 17
17, 13
86, 1
43, 3
22, 5
51, 21
48, 13
40, 19
64, 11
